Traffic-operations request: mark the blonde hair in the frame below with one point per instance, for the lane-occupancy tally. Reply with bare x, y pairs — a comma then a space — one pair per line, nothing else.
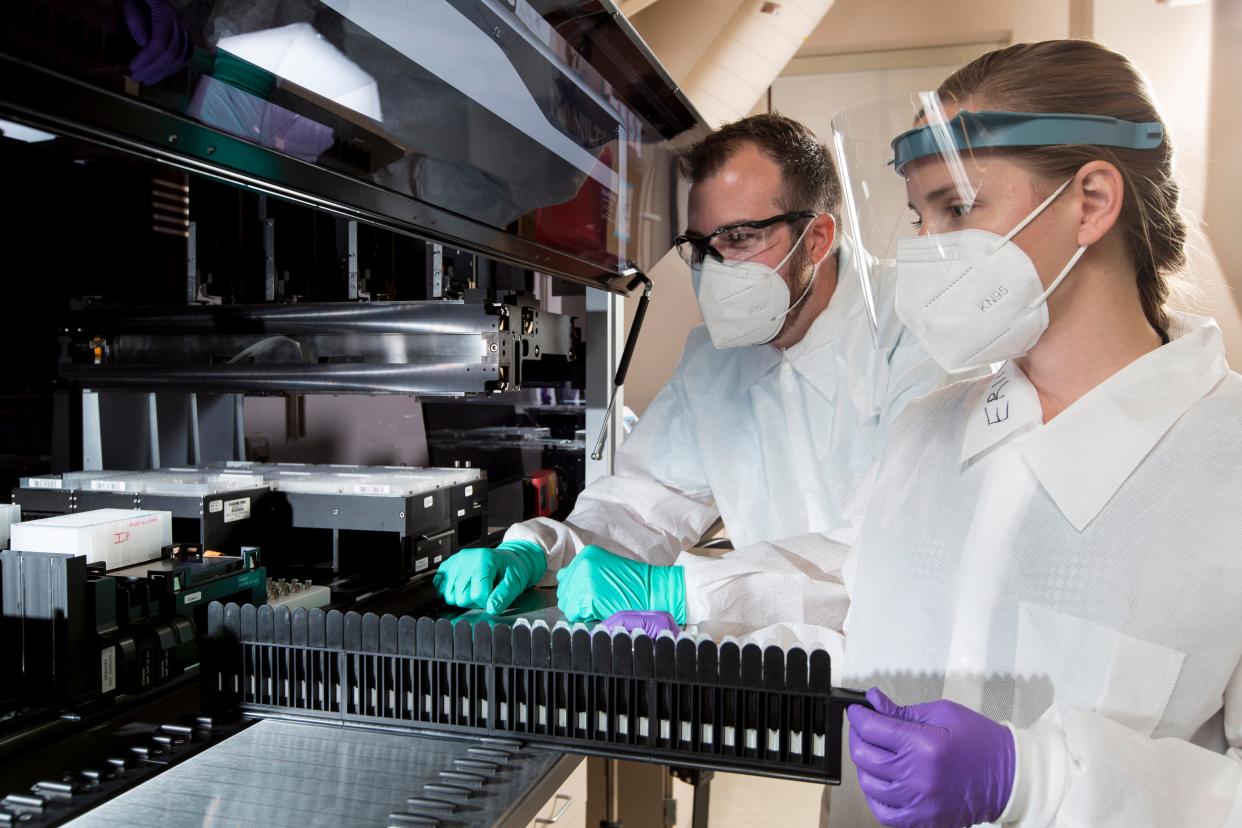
1084, 77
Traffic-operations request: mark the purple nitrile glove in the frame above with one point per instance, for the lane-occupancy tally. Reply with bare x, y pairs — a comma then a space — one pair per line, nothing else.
156, 26
938, 765
651, 622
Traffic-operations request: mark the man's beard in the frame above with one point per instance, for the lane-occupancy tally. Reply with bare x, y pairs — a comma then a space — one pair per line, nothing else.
799, 263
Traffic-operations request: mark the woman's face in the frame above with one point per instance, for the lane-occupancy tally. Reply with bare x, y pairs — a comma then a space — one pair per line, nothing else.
989, 191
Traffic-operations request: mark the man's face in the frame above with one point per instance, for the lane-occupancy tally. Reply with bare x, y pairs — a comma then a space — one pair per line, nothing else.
746, 188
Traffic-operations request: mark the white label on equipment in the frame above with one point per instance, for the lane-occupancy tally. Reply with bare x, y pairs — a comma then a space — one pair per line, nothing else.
372, 489
427, 501
193, 596
43, 483
437, 559
469, 491
108, 485
461, 512
421, 564
215, 506
236, 509
107, 669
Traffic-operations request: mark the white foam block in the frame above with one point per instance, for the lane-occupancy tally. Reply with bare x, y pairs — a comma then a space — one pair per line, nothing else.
10, 513
118, 537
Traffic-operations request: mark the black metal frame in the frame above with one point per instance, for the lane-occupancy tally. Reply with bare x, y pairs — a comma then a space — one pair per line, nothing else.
66, 106
626, 62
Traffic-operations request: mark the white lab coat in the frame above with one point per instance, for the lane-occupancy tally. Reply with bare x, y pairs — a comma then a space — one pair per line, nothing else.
1081, 579
774, 443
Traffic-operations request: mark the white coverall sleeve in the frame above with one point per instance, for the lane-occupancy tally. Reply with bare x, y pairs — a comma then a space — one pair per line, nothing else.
1076, 767
799, 580
657, 504
795, 580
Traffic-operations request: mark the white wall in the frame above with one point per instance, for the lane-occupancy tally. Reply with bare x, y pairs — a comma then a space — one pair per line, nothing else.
679, 32
1221, 212
812, 99
1172, 45
855, 26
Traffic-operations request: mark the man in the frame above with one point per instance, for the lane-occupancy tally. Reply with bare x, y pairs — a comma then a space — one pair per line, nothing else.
774, 416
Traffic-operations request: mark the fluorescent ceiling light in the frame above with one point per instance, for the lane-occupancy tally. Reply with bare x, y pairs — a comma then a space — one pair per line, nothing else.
21, 132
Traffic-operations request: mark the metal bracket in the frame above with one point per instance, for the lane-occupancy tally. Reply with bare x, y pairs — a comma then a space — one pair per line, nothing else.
351, 262
191, 263
269, 259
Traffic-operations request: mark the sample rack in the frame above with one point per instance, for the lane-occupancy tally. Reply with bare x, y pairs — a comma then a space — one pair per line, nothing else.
680, 701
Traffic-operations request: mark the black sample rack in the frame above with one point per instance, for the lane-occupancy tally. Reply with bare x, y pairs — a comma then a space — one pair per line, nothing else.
676, 701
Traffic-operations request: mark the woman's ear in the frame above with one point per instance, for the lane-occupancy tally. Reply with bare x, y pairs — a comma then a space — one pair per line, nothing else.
820, 236
1101, 192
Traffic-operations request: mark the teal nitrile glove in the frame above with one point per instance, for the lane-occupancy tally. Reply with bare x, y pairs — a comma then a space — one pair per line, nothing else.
598, 583
490, 579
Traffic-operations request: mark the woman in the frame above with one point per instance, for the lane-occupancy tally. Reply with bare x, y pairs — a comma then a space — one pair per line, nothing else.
1049, 576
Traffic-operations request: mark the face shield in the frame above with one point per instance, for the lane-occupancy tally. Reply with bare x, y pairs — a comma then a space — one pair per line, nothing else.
930, 212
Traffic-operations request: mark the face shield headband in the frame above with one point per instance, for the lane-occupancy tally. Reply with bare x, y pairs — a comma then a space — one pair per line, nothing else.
969, 131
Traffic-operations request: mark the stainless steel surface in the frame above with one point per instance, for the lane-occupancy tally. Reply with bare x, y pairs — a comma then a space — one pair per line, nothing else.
194, 453
437, 271
604, 342
191, 263
445, 378
92, 437
430, 317
269, 259
280, 774
153, 432
239, 424
351, 264
598, 452
388, 348
433, 347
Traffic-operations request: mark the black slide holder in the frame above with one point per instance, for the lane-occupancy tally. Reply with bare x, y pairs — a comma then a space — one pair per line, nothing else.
698, 704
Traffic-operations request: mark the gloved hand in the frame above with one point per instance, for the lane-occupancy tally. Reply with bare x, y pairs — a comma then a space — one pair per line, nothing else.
156, 26
490, 579
938, 764
598, 583
652, 623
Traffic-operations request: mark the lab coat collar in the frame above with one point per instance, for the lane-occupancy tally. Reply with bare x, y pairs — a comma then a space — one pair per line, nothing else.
1006, 405
1084, 455
806, 356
